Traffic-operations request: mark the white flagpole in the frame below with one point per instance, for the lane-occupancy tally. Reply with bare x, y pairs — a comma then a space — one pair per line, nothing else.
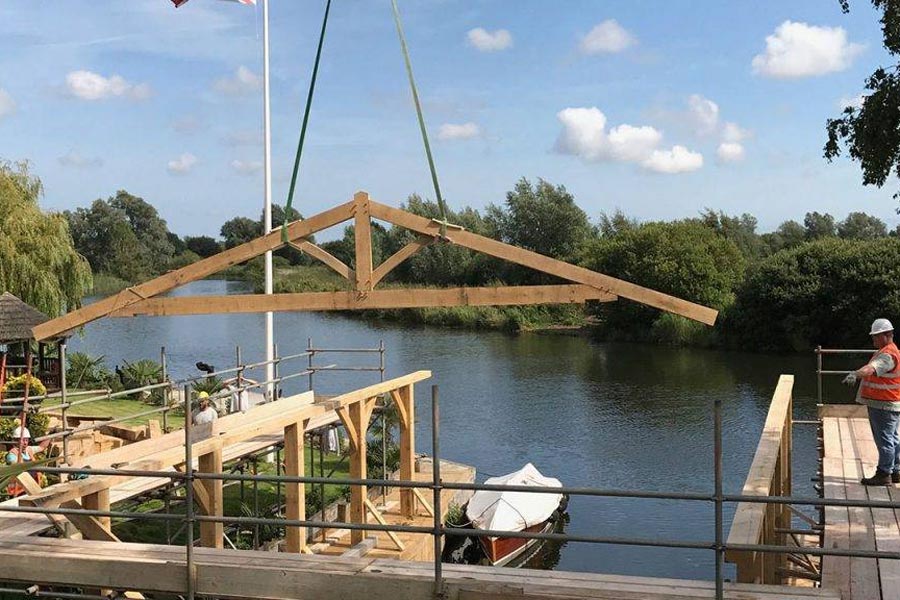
267, 209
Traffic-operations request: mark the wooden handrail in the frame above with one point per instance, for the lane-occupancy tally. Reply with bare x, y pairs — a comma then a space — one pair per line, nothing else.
769, 475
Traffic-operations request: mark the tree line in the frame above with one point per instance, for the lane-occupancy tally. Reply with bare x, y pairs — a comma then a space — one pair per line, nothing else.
818, 281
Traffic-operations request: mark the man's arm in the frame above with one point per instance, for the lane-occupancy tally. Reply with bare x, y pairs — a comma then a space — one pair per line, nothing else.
882, 363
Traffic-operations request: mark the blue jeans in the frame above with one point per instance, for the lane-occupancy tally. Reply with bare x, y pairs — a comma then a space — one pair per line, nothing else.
884, 429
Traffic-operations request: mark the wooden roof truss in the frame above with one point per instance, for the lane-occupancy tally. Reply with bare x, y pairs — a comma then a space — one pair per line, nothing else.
585, 284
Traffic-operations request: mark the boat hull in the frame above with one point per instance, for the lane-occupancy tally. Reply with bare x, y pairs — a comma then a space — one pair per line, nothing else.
501, 551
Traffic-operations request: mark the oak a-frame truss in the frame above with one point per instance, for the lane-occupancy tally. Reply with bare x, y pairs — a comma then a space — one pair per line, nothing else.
585, 284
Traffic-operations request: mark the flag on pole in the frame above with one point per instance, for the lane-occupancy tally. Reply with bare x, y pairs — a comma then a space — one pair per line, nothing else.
178, 3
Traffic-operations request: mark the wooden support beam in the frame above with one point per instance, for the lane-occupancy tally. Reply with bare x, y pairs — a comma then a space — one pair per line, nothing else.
362, 234
328, 259
201, 497
362, 548
425, 503
33, 487
99, 501
393, 298
358, 493
398, 257
343, 413
546, 264
406, 406
377, 515
192, 272
295, 493
212, 534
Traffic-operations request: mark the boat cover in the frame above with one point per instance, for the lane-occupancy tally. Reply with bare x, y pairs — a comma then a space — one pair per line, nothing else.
514, 511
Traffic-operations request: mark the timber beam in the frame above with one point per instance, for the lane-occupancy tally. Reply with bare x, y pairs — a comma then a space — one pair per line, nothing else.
366, 300
545, 264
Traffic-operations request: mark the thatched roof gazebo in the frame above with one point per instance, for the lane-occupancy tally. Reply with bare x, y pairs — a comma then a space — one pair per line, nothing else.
16, 340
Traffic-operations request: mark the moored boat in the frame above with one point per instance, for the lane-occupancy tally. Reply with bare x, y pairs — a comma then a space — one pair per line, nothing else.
514, 511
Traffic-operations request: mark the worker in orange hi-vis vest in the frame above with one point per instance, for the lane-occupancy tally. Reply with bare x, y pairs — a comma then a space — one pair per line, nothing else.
879, 390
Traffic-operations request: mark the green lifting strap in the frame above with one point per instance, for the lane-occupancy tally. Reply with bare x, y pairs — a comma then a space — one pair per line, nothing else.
415, 94
309, 97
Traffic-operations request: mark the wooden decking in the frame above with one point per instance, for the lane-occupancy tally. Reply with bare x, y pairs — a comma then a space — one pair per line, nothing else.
849, 455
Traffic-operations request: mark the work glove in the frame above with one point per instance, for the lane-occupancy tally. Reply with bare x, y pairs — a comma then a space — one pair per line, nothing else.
850, 379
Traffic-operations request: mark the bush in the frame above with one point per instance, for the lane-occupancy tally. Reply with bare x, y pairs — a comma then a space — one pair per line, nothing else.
824, 292
37, 424
684, 258
15, 386
86, 371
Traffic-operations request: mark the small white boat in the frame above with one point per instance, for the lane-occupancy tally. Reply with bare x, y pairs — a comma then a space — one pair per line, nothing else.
514, 511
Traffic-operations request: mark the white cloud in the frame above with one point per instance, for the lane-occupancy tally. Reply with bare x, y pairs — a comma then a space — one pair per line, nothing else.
87, 85
7, 104
584, 135
486, 41
854, 102
607, 37
732, 132
704, 112
462, 131
244, 81
76, 160
187, 125
246, 167
730, 152
801, 50
182, 165
677, 160
247, 137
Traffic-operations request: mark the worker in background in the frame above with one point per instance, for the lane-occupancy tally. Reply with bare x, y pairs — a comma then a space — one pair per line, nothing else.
879, 390
206, 413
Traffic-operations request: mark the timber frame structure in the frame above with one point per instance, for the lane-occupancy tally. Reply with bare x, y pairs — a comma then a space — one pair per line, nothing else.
364, 277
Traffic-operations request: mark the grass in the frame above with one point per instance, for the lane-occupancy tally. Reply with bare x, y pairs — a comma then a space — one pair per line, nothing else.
154, 532
116, 408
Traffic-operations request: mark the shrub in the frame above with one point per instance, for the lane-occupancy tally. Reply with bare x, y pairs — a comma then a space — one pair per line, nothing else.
824, 292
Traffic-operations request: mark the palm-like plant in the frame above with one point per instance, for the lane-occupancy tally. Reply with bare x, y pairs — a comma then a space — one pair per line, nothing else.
85, 370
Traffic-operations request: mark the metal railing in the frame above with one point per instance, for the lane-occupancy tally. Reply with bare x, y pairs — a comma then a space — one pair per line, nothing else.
715, 498
821, 353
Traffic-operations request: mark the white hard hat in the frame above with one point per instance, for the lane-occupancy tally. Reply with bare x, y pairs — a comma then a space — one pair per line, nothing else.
880, 326
18, 433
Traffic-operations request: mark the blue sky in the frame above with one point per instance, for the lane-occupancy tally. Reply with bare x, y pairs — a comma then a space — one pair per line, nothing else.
656, 108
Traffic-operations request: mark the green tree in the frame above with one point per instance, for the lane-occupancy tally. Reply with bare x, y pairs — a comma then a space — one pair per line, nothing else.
104, 237
240, 230
683, 258
789, 234
609, 226
823, 292
819, 225
740, 230
860, 226
38, 260
203, 245
150, 230
542, 218
871, 132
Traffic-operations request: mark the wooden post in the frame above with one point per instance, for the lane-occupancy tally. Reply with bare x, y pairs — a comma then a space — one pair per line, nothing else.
358, 493
406, 406
212, 533
295, 493
363, 239
99, 500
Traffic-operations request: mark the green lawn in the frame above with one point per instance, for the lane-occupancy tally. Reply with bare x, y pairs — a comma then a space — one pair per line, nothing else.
117, 408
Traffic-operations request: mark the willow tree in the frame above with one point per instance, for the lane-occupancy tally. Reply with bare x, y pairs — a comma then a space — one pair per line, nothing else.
38, 262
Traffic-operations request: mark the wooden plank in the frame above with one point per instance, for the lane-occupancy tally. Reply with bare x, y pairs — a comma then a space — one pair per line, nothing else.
546, 264
835, 569
853, 411
33, 487
398, 257
295, 493
192, 272
864, 581
361, 549
374, 299
212, 534
362, 236
201, 496
328, 259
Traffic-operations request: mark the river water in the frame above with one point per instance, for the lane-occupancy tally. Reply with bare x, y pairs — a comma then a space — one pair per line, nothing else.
631, 416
